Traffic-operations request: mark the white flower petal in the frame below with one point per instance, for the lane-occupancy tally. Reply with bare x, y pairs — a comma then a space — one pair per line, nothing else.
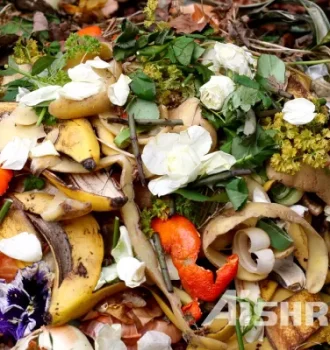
83, 73
215, 91
216, 162
260, 196
299, 111
109, 338
24, 246
21, 92
108, 274
98, 63
154, 340
119, 91
164, 185
155, 152
210, 57
47, 93
317, 71
15, 154
198, 138
45, 148
131, 271
299, 209
124, 246
78, 91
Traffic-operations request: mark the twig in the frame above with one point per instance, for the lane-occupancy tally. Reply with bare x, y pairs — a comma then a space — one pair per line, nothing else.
136, 150
271, 112
307, 63
115, 236
148, 122
162, 261
4, 209
213, 179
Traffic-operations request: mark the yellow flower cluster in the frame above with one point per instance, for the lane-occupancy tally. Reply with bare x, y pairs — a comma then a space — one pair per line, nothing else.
26, 53
304, 144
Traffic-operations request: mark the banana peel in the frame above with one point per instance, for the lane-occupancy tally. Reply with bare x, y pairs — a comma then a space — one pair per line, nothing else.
106, 136
112, 199
317, 265
77, 139
52, 207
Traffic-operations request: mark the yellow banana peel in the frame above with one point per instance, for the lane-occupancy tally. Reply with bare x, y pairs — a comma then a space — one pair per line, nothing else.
77, 139
98, 202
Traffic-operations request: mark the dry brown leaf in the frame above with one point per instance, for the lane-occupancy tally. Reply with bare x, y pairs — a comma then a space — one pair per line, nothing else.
186, 24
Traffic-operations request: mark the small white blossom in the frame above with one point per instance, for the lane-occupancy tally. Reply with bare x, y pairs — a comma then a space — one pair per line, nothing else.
24, 246
216, 162
109, 338
215, 91
259, 195
131, 271
16, 152
83, 72
235, 58
299, 111
119, 91
78, 91
21, 92
98, 63
299, 209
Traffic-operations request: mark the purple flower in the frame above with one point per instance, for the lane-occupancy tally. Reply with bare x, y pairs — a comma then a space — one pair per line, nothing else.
25, 301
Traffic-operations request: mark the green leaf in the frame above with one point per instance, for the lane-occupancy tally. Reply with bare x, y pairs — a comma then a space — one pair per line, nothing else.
129, 32
152, 50
54, 48
18, 26
245, 98
198, 52
33, 183
12, 89
183, 49
237, 192
142, 109
198, 197
204, 72
123, 139
143, 86
279, 239
252, 151
271, 66
245, 81
212, 117
41, 64
120, 54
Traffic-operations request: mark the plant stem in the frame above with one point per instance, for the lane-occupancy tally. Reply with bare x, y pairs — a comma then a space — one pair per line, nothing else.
307, 63
284, 94
41, 116
187, 80
136, 149
162, 261
4, 209
239, 335
148, 122
115, 236
268, 113
213, 179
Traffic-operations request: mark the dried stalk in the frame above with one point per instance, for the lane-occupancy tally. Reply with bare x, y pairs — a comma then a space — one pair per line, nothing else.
213, 179
147, 122
162, 261
136, 150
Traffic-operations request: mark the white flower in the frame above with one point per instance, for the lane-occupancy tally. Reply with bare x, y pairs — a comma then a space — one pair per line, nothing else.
16, 152
47, 93
83, 72
237, 59
78, 91
216, 162
109, 338
24, 246
45, 148
177, 157
154, 340
215, 91
127, 268
259, 195
119, 91
299, 111
131, 271
98, 63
